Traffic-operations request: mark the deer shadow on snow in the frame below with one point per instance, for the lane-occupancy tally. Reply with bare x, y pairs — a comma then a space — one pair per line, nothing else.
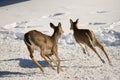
26, 63
9, 73
23, 63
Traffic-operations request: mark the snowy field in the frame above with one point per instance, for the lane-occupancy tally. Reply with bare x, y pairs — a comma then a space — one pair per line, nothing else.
103, 17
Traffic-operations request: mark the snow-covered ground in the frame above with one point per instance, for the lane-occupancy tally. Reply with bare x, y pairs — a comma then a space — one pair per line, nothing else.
101, 16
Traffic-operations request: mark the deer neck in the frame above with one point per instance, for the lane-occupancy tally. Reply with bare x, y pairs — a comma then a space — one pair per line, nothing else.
55, 36
75, 28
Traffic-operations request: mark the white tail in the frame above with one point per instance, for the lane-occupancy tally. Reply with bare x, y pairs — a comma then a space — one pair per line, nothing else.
39, 41
87, 37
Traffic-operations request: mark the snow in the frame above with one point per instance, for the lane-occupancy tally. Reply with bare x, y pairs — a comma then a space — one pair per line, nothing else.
100, 16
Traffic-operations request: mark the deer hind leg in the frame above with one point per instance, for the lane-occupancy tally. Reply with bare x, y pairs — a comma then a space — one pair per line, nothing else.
45, 58
32, 57
92, 47
102, 48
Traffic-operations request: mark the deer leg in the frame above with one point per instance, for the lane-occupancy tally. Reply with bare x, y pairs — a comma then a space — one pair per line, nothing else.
44, 56
32, 57
58, 64
84, 51
48, 56
87, 50
51, 58
102, 48
92, 47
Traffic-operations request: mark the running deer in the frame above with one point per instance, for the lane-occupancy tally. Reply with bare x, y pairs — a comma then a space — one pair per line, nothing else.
87, 37
36, 40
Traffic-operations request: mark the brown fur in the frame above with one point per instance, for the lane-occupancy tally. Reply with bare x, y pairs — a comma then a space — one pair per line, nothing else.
87, 37
36, 40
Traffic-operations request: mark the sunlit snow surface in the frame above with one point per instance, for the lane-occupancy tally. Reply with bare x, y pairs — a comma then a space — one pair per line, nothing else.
100, 16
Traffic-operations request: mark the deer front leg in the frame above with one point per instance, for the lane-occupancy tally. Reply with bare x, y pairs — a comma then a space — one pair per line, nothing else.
53, 60
84, 49
49, 56
87, 50
58, 62
45, 58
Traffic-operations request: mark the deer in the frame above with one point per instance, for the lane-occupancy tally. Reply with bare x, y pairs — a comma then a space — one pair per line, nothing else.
43, 43
87, 37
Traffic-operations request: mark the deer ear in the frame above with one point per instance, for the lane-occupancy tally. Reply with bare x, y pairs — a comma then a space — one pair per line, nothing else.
59, 24
71, 21
52, 25
77, 20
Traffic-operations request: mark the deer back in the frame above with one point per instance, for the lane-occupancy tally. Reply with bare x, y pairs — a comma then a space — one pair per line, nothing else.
81, 35
37, 39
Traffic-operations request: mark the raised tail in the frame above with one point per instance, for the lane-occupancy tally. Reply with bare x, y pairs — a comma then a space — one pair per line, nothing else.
26, 39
